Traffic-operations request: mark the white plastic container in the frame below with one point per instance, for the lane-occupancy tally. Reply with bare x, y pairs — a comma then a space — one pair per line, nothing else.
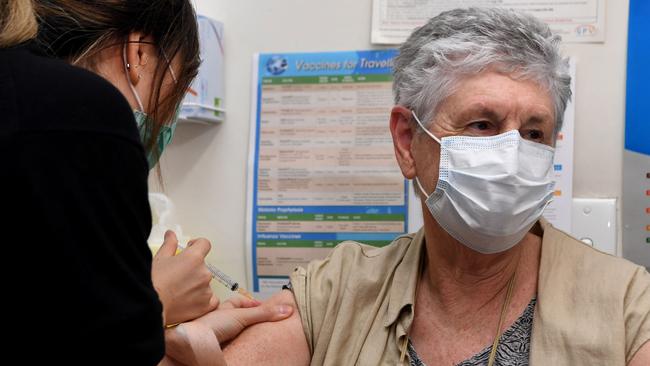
163, 219
204, 100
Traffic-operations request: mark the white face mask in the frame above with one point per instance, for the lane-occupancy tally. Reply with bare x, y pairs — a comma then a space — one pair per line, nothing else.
491, 190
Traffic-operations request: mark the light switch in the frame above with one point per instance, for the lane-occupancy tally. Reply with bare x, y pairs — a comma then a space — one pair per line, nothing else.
593, 221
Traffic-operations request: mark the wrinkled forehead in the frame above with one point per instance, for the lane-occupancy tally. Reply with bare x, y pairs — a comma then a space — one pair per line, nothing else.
492, 89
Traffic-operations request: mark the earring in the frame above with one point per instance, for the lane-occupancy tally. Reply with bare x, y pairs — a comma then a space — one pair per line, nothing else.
128, 66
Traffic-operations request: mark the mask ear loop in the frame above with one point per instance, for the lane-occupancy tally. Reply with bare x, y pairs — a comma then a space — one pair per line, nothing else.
128, 79
173, 74
169, 67
417, 181
425, 130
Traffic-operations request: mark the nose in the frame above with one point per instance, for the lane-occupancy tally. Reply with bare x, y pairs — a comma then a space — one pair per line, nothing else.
510, 124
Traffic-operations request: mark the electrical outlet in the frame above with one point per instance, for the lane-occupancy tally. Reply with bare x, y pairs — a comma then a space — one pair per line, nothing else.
593, 220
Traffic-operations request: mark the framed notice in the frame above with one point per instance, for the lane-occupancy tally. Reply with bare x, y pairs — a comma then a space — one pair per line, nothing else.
576, 21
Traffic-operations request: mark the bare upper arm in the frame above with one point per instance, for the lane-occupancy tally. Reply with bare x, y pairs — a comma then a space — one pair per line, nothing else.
272, 343
642, 356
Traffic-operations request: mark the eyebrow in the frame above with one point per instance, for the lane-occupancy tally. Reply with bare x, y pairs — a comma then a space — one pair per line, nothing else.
479, 109
485, 111
536, 120
538, 117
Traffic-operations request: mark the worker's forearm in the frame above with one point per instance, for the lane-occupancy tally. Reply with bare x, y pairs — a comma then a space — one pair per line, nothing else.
193, 344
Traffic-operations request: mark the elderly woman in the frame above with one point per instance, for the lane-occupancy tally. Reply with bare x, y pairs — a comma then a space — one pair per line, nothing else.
479, 99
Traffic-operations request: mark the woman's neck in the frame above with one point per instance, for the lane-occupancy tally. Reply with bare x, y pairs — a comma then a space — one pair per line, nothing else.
460, 280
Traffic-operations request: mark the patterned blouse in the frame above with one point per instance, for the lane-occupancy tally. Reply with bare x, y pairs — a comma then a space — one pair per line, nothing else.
513, 348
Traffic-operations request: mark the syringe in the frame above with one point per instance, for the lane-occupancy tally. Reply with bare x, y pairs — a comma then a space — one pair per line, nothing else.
223, 278
227, 281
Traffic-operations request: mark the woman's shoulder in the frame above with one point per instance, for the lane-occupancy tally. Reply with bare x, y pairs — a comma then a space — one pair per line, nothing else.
354, 265
563, 252
350, 257
53, 95
353, 276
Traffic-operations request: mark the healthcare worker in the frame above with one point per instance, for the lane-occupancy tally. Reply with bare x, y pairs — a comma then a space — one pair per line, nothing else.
75, 178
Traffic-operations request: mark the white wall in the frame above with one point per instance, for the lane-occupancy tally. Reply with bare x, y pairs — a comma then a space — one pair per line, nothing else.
204, 169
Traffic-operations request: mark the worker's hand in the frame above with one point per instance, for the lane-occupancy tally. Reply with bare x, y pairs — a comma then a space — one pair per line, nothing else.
182, 281
237, 313
198, 342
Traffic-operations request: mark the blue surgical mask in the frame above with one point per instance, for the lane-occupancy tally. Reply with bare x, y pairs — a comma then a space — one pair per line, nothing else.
166, 132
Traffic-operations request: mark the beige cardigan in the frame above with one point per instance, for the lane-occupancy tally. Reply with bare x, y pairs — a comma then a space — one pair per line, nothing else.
357, 304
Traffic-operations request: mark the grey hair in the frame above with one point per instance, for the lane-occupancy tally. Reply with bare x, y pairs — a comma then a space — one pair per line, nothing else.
463, 42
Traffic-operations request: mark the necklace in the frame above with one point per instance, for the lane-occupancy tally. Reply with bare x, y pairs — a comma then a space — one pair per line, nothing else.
502, 318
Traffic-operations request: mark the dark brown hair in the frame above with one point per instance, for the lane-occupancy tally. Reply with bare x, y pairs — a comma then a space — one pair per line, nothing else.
76, 30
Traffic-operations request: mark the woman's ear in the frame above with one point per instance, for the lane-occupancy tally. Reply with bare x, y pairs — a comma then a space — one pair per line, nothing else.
135, 56
400, 129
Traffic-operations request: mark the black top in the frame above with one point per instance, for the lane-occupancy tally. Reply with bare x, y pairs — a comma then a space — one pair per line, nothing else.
77, 270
